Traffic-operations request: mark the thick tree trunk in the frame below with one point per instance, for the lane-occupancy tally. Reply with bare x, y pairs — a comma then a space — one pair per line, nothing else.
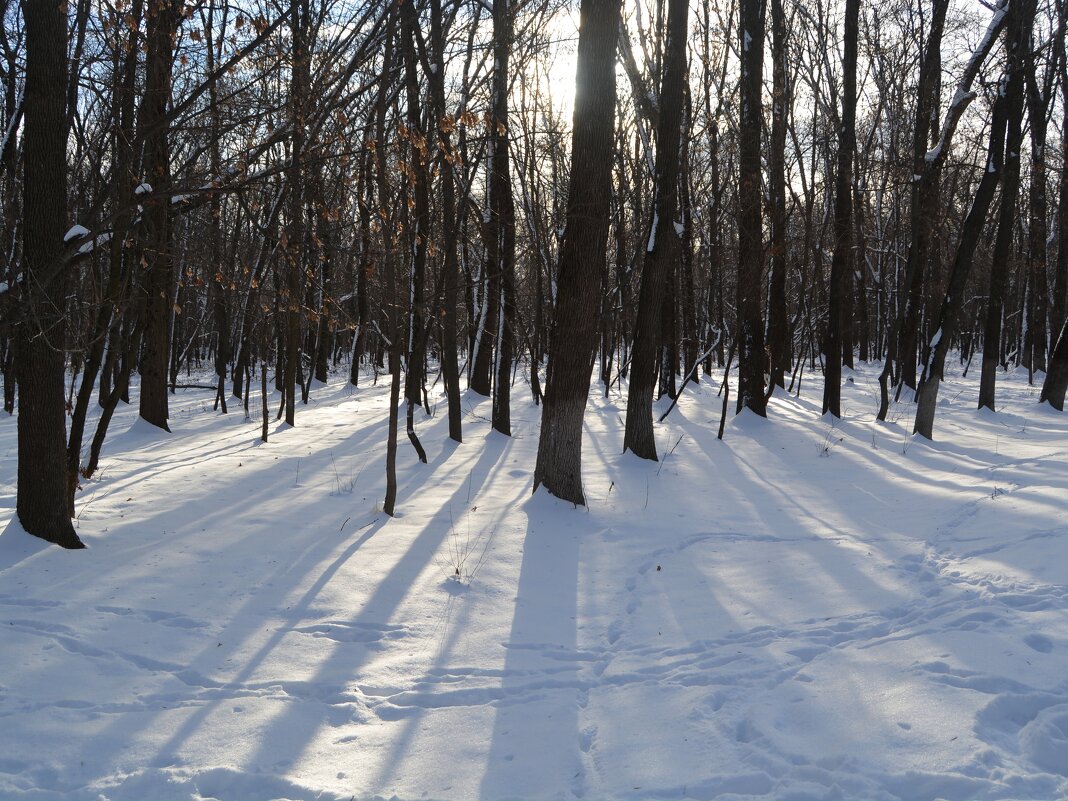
662, 250
582, 255
41, 496
749, 336
158, 280
838, 332
293, 294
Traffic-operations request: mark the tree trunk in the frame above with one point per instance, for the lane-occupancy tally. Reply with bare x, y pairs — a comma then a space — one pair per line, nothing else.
158, 280
1021, 17
927, 391
838, 332
41, 499
778, 329
1053, 388
750, 325
1060, 282
1039, 97
294, 250
500, 238
449, 227
662, 250
419, 228
582, 255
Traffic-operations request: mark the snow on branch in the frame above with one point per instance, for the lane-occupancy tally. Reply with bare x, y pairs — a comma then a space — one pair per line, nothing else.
12, 126
964, 95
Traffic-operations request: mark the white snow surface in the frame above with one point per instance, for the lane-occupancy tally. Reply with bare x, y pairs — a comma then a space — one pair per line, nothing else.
799, 611
75, 232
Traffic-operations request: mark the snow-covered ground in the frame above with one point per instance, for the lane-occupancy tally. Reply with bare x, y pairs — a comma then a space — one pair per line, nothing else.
800, 611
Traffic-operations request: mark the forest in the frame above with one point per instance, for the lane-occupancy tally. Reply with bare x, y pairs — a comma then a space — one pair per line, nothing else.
531, 263
281, 190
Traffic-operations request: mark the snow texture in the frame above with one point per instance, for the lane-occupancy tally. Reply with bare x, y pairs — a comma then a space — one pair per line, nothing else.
797, 612
75, 232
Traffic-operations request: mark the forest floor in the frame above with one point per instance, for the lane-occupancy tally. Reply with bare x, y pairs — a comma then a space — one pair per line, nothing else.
799, 611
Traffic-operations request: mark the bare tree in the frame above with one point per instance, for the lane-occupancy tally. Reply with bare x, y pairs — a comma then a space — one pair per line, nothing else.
750, 324
842, 258
41, 500
662, 252
582, 254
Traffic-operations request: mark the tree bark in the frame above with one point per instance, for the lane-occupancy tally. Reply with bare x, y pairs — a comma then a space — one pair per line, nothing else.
158, 280
294, 251
934, 370
750, 325
450, 160
662, 249
41, 496
582, 255
842, 257
500, 228
1021, 18
419, 230
778, 328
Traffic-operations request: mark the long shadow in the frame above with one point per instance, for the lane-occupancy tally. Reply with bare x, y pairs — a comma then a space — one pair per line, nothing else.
290, 732
240, 625
453, 628
16, 546
543, 634
168, 750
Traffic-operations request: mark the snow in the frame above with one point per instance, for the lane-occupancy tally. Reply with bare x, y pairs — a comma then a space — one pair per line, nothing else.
99, 239
142, 189
75, 232
12, 123
800, 611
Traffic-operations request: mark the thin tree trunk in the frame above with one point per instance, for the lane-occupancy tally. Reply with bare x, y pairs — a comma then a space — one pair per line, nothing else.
500, 239
449, 227
927, 392
778, 330
419, 226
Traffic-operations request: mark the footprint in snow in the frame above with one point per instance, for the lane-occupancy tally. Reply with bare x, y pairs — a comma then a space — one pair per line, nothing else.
1039, 643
